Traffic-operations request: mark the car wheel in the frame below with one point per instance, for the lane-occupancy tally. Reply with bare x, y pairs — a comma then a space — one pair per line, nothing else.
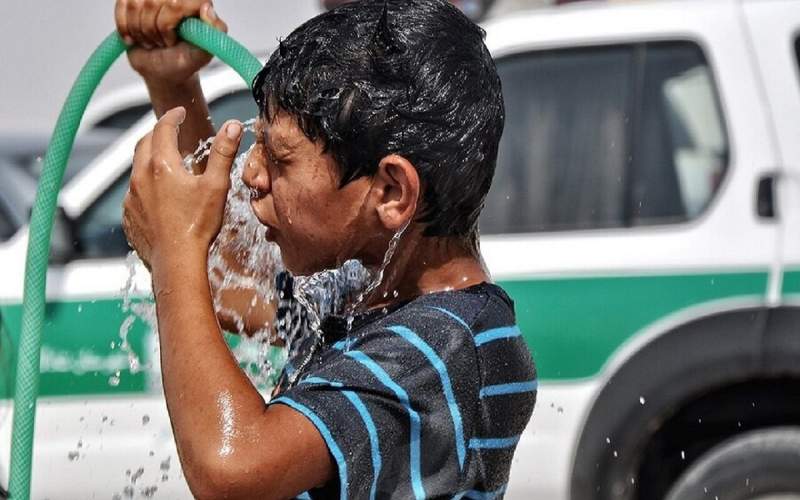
758, 465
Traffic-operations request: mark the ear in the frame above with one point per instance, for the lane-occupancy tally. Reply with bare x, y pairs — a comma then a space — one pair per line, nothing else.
397, 188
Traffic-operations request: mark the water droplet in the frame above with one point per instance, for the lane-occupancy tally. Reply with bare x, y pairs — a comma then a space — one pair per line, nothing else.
683, 455
616, 454
128, 491
641, 400
73, 455
136, 475
80, 308
80, 443
145, 419
164, 478
165, 464
608, 440
113, 380
560, 409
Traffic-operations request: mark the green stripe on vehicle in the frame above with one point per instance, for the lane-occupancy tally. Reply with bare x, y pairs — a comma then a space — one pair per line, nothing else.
573, 325
791, 282
77, 354
81, 350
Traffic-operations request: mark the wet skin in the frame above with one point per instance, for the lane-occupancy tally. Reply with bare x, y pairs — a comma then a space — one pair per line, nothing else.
230, 443
171, 217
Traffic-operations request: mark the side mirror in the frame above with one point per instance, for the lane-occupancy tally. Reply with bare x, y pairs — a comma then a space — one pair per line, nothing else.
62, 240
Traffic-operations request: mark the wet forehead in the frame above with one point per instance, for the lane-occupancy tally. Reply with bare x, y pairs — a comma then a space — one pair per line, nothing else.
282, 133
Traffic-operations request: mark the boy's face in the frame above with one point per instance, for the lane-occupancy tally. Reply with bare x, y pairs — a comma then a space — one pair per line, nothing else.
295, 192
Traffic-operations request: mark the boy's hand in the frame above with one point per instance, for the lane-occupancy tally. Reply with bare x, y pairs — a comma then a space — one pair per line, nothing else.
170, 215
156, 52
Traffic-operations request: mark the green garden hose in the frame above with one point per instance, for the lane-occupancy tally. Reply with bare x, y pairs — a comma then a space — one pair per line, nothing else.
33, 308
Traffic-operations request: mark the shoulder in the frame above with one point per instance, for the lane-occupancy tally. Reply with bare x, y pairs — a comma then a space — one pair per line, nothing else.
459, 313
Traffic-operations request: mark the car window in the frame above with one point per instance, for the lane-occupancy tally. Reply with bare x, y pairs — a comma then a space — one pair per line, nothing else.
99, 230
7, 228
681, 151
562, 154
797, 51
606, 137
124, 118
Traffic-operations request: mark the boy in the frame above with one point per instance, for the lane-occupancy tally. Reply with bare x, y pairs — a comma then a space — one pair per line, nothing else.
377, 119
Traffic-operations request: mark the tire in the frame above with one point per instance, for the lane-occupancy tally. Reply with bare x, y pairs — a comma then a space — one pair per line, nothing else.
760, 464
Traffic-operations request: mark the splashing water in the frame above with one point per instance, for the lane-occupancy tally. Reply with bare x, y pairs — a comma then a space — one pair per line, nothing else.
377, 279
343, 290
242, 259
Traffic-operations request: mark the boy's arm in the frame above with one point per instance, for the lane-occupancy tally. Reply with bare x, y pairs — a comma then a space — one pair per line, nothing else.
169, 68
168, 65
231, 445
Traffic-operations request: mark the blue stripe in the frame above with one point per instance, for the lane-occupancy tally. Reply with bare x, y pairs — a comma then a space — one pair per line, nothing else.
481, 495
505, 332
454, 316
510, 388
402, 396
493, 443
372, 430
321, 381
326, 435
373, 438
444, 377
344, 344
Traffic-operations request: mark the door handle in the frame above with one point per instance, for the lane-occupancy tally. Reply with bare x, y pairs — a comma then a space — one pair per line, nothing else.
765, 196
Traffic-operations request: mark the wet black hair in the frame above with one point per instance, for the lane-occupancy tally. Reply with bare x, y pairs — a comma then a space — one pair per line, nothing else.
411, 77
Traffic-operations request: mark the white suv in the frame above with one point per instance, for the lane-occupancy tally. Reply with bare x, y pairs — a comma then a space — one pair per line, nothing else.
641, 218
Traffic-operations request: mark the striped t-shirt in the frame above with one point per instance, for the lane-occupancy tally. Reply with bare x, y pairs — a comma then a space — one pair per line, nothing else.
424, 400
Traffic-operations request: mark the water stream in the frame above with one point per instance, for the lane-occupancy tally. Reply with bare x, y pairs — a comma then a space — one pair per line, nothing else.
242, 260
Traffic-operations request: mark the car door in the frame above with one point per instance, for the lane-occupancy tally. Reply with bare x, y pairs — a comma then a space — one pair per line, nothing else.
623, 199
775, 32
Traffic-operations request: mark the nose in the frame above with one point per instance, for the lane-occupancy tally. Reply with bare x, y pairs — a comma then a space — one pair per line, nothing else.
255, 174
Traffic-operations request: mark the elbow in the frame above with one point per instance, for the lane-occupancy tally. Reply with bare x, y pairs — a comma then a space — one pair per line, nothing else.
228, 477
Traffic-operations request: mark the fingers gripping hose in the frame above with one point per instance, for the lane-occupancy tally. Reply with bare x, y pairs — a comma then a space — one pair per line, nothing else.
27, 383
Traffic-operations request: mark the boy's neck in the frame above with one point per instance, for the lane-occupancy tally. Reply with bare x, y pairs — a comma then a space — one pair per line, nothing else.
425, 265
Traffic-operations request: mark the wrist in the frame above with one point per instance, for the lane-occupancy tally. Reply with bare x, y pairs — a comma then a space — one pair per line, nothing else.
184, 267
164, 88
